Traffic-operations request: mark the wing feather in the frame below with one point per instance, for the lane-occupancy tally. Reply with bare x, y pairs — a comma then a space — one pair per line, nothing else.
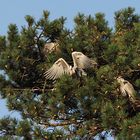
59, 68
126, 88
82, 61
130, 89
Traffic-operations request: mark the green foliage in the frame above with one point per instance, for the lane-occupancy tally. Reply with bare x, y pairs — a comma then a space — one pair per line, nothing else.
71, 107
29, 19
126, 18
2, 43
130, 129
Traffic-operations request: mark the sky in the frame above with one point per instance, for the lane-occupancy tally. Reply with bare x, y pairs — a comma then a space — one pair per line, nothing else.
14, 11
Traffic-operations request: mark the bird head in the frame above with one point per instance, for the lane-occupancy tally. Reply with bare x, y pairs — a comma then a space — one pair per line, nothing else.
120, 79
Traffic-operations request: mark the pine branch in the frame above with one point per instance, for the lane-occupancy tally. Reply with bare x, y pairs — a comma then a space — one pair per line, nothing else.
37, 40
64, 123
29, 89
94, 130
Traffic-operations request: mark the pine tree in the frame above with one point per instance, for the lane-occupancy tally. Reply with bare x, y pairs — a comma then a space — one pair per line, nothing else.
71, 107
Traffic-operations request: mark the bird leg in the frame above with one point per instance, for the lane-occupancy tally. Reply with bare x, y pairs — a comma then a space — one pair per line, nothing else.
80, 72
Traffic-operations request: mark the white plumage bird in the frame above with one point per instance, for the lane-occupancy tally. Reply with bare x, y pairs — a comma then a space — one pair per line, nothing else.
126, 88
51, 47
61, 67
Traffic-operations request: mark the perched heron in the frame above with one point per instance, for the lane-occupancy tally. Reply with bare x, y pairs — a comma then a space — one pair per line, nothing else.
61, 67
126, 88
51, 47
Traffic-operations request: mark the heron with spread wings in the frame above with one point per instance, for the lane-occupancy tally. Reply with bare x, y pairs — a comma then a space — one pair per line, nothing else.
126, 88
61, 67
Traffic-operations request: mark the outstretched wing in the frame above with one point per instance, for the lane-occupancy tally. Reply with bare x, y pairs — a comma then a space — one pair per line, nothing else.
82, 61
59, 68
